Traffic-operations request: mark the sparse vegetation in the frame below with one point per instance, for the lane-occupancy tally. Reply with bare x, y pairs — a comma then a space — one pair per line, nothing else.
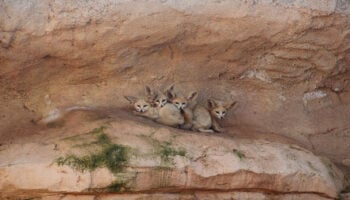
118, 186
239, 154
99, 130
167, 152
96, 131
112, 156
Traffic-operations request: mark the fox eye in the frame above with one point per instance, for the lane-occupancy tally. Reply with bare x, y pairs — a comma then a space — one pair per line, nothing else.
139, 106
157, 101
224, 112
183, 103
177, 103
217, 112
164, 100
145, 106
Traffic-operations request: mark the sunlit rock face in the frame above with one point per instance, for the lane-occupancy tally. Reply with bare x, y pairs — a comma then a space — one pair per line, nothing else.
286, 62
160, 162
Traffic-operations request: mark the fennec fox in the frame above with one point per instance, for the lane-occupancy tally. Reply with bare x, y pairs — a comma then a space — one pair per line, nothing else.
159, 99
185, 105
167, 115
218, 111
201, 120
205, 120
141, 105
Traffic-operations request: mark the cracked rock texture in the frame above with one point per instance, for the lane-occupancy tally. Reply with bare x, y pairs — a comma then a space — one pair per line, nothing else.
286, 62
211, 165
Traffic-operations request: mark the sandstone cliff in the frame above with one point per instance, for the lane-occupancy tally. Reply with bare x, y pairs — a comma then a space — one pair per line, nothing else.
285, 61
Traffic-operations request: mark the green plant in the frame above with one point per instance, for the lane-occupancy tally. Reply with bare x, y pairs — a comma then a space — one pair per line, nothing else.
99, 130
167, 152
95, 131
164, 150
118, 186
112, 156
239, 154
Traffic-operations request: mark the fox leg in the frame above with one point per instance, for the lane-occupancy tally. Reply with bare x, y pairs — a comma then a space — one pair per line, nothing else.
216, 126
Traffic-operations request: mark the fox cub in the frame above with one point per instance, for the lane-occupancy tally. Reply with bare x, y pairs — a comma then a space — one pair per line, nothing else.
159, 99
162, 112
169, 108
205, 120
185, 104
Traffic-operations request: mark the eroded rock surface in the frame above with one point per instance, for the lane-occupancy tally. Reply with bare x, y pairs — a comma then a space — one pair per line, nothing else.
162, 160
285, 62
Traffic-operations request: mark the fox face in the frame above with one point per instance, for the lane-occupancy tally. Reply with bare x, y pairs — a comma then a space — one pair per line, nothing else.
140, 105
182, 102
219, 110
159, 99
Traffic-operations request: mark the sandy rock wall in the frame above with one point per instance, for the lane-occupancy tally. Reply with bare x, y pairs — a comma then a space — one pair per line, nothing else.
162, 161
285, 62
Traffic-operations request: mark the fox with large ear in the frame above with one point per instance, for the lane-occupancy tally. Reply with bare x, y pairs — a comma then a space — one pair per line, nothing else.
158, 98
141, 105
185, 104
201, 120
167, 115
161, 98
218, 111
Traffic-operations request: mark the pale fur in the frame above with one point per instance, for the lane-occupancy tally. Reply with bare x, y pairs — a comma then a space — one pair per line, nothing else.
218, 111
185, 105
201, 120
206, 120
168, 114
159, 99
170, 109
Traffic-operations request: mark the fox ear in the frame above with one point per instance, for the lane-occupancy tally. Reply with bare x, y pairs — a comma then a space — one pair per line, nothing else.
230, 105
149, 91
211, 103
170, 88
131, 99
170, 94
192, 96
169, 91
156, 95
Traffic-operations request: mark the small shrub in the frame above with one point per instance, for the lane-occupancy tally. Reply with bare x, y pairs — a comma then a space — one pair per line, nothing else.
167, 152
118, 186
112, 156
98, 130
239, 154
